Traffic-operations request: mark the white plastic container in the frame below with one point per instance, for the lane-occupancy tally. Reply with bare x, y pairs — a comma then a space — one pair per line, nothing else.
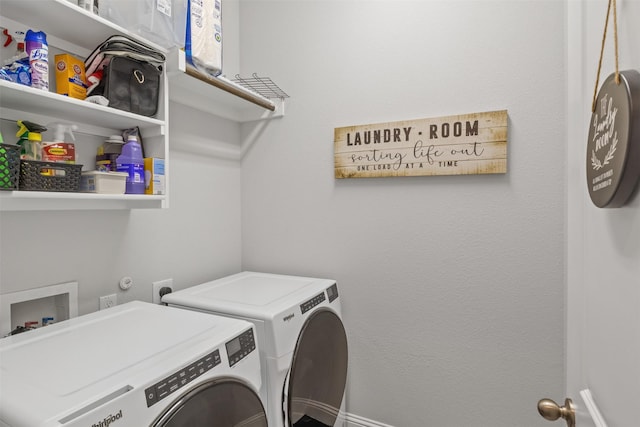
161, 21
103, 182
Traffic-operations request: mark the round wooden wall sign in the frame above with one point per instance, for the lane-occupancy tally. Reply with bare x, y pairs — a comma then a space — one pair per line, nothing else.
613, 148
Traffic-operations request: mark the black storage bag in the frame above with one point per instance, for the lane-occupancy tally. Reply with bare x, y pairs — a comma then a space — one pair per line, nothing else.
131, 74
132, 85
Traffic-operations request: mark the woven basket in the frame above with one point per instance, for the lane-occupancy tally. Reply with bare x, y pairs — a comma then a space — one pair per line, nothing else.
49, 176
9, 166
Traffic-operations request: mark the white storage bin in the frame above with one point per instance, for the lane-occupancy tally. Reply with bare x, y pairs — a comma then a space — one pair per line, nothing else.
103, 182
160, 21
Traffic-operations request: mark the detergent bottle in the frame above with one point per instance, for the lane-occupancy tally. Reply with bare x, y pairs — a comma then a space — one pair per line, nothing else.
108, 152
30, 141
132, 161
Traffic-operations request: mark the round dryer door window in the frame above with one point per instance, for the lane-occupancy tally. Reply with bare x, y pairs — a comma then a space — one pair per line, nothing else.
217, 403
318, 374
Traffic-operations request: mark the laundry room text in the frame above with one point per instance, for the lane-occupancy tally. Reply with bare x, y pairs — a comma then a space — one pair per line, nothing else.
455, 145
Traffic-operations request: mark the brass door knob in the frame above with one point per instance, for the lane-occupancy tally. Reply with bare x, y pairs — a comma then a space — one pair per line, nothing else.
551, 411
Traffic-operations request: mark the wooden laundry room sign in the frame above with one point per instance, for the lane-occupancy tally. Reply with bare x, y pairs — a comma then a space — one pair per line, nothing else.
465, 144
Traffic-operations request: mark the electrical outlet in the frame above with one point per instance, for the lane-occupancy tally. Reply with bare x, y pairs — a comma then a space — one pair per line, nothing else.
160, 288
108, 301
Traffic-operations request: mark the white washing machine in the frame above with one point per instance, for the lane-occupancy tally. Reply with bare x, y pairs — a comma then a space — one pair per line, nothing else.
302, 340
136, 364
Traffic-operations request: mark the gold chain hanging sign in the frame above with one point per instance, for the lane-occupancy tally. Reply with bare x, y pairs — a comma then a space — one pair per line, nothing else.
613, 147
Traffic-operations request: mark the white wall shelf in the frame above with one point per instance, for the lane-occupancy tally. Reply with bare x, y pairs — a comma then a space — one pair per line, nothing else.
183, 85
54, 201
187, 86
72, 29
18, 100
216, 95
63, 22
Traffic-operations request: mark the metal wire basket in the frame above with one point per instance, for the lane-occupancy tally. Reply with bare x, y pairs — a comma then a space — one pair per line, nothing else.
263, 86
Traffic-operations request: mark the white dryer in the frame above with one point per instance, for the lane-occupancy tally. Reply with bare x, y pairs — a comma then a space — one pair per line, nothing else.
302, 340
133, 365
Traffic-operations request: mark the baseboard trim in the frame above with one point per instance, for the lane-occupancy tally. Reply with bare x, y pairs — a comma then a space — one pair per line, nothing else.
352, 420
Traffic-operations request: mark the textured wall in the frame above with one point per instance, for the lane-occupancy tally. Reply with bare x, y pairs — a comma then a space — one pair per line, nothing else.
195, 240
453, 287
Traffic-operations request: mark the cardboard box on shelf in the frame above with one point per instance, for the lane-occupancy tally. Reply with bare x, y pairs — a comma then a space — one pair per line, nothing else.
70, 76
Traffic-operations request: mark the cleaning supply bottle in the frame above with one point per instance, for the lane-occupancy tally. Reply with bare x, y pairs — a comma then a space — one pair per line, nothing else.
58, 150
38, 51
30, 140
16, 68
108, 152
132, 162
20, 53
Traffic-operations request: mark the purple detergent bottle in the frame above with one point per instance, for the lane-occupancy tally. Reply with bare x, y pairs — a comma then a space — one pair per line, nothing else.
132, 162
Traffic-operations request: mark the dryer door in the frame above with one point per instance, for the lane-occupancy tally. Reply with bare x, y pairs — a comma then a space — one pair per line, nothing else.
220, 402
318, 374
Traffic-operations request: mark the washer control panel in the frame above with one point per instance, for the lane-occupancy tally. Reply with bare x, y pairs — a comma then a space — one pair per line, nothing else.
332, 292
309, 304
180, 378
239, 347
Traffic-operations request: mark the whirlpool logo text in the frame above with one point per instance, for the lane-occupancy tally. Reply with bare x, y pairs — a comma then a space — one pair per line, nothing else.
108, 420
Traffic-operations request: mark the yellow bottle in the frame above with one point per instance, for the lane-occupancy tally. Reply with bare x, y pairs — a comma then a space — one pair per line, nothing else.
30, 140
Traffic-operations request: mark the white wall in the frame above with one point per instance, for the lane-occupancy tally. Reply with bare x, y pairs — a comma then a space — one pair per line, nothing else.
195, 240
453, 287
